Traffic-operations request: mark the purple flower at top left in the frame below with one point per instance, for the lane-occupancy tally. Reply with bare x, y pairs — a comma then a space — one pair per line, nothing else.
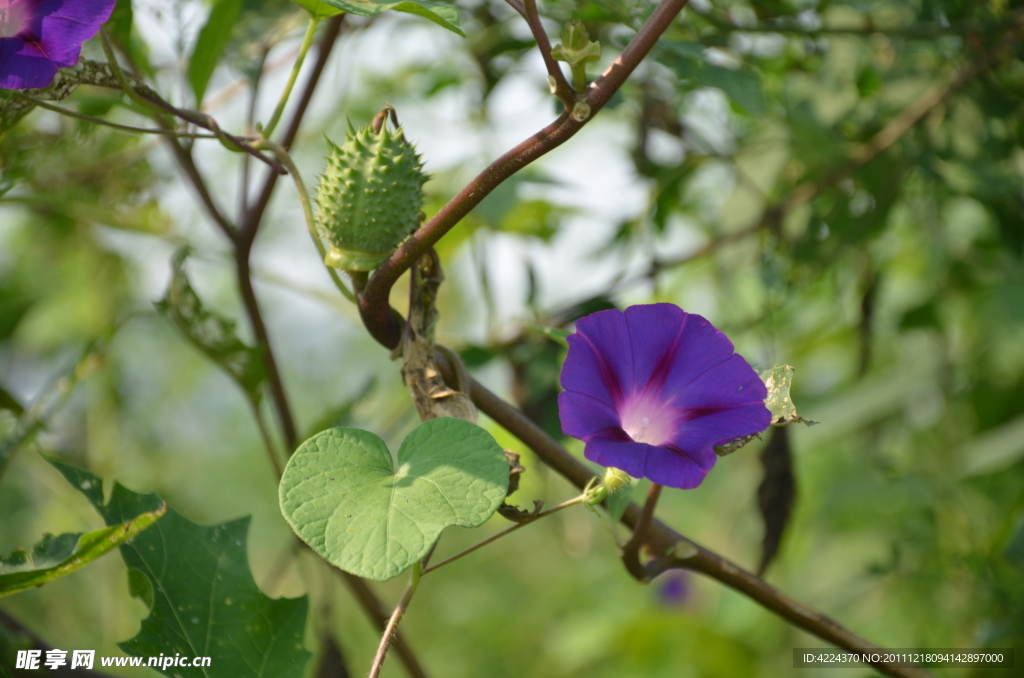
39, 36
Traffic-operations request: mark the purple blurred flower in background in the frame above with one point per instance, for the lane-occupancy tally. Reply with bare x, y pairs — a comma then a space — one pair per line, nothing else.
39, 36
673, 588
652, 390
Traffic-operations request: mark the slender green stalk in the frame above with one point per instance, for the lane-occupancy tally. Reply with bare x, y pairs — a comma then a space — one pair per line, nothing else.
307, 42
307, 210
495, 537
122, 79
268, 443
100, 121
396, 618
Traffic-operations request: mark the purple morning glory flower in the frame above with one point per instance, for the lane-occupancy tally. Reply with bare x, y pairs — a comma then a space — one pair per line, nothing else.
673, 588
39, 36
653, 389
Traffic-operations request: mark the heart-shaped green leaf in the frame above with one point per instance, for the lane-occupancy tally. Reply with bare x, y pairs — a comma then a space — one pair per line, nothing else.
343, 495
442, 15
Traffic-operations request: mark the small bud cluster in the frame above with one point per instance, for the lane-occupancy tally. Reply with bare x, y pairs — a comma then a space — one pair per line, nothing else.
613, 481
577, 50
369, 197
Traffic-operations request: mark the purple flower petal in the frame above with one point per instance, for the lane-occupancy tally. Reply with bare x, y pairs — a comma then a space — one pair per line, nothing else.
651, 391
583, 416
584, 373
655, 332
730, 383
702, 348
626, 455
678, 467
45, 35
606, 335
22, 66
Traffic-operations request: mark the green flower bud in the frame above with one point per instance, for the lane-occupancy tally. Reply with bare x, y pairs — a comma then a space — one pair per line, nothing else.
577, 50
576, 46
369, 197
597, 491
615, 479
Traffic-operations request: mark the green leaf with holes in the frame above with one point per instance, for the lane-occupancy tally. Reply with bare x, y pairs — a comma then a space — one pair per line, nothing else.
203, 601
441, 14
373, 516
211, 333
779, 380
53, 557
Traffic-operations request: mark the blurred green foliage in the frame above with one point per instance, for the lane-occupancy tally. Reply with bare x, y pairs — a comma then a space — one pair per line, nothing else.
896, 290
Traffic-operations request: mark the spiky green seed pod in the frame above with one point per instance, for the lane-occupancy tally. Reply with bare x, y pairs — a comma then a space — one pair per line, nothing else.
369, 197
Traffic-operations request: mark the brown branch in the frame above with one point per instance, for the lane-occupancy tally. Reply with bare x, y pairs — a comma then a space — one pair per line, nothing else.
517, 6
673, 549
187, 164
631, 551
246, 236
251, 220
259, 330
207, 122
373, 301
243, 242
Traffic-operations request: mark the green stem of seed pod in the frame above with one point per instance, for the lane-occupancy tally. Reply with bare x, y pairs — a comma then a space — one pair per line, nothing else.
307, 209
296, 67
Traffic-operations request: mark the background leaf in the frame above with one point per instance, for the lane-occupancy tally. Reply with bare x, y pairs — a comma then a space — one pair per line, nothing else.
53, 557
553, 333
209, 332
343, 496
742, 85
776, 494
213, 38
204, 600
779, 380
442, 15
120, 27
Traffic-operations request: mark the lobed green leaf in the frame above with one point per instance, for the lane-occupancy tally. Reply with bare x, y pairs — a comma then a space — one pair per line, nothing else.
203, 600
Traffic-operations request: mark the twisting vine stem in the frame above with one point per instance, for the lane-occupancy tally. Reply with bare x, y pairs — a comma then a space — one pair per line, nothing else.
373, 301
560, 87
498, 535
671, 549
307, 41
631, 551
